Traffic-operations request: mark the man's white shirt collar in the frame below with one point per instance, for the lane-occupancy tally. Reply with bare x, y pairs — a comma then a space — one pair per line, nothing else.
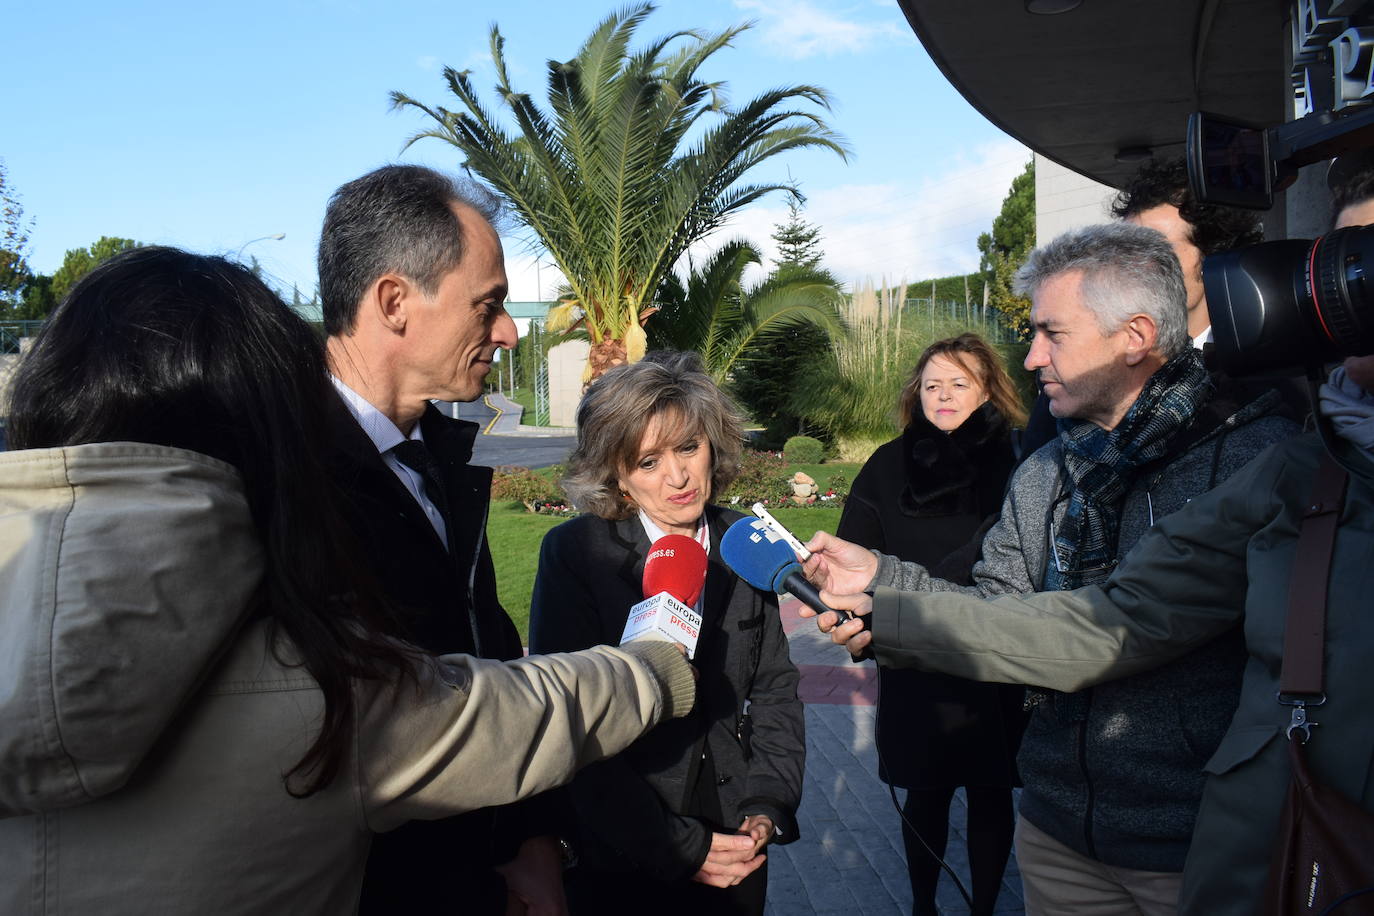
386, 435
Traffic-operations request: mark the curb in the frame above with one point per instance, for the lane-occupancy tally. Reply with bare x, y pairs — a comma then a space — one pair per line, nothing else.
486, 399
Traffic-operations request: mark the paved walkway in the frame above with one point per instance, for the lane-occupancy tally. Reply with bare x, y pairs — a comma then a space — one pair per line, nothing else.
505, 441
849, 860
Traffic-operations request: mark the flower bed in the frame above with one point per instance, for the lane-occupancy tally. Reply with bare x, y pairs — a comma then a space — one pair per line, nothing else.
766, 477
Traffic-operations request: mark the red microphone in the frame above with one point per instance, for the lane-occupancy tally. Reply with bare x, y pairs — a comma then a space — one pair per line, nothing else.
674, 573
676, 564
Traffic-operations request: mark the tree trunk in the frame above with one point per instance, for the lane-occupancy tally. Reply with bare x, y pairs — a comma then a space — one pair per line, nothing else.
605, 356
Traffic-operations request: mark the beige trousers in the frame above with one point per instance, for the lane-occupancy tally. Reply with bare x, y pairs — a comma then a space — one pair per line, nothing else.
1057, 881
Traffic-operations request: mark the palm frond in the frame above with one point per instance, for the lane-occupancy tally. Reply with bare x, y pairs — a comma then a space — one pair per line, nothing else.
621, 173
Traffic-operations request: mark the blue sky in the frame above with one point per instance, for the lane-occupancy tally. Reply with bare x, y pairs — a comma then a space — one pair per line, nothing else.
207, 126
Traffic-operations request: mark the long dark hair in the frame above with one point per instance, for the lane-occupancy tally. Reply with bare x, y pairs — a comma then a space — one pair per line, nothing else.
163, 346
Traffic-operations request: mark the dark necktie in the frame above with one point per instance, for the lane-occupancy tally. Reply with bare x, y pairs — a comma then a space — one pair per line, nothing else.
414, 455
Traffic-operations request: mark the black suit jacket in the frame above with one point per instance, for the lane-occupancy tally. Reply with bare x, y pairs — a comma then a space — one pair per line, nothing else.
645, 809
446, 599
445, 602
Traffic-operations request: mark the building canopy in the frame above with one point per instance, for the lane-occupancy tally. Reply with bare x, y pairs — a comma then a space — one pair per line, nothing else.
1108, 82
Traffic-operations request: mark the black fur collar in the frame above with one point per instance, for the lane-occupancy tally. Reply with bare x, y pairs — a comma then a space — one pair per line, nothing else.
939, 466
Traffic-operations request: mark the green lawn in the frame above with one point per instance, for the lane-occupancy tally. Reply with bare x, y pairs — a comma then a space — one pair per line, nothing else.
514, 535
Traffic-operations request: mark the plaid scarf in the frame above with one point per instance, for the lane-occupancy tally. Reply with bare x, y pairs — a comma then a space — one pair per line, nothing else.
1101, 465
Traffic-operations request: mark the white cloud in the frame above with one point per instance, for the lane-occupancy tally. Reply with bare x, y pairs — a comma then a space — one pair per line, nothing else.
800, 29
477, 59
528, 284
898, 231
480, 59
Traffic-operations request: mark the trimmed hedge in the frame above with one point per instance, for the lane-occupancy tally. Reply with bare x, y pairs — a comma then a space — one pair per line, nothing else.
804, 450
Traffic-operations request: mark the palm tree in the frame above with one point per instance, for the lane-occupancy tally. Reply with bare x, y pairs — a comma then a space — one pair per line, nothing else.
715, 315
623, 172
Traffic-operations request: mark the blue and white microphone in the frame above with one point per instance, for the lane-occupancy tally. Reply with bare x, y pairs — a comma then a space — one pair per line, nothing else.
759, 556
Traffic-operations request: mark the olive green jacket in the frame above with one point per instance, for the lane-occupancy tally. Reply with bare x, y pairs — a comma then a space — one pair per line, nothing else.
1224, 558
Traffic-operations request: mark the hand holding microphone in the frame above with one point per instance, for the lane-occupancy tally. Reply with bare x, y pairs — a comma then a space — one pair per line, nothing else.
838, 566
852, 631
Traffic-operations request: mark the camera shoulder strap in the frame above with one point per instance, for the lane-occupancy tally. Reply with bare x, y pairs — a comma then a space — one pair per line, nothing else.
1304, 634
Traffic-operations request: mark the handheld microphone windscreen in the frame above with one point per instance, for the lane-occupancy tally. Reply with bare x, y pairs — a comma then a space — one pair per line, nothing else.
765, 561
676, 564
757, 556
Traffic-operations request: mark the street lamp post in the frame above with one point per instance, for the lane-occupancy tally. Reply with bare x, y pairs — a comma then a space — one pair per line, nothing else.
276, 237
538, 278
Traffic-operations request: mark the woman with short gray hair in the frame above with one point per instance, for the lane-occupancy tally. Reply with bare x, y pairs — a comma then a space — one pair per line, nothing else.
621, 411
680, 819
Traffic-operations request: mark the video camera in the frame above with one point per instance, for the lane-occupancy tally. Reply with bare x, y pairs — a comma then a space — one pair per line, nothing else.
1297, 302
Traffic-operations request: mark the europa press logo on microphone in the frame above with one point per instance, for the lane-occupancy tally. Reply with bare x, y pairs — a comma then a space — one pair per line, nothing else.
663, 617
661, 553
685, 620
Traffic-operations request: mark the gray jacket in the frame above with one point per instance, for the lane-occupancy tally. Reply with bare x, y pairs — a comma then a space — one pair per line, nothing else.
146, 722
1116, 772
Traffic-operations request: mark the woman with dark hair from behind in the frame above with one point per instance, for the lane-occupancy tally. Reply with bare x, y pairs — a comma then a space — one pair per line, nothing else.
928, 496
204, 708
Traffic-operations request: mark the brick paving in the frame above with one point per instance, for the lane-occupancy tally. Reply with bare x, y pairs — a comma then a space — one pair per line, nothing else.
849, 859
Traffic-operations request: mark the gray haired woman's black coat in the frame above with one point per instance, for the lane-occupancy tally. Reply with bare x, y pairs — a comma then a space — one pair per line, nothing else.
638, 811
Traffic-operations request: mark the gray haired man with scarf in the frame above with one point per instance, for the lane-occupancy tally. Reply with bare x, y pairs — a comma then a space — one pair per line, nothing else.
1225, 561
1113, 773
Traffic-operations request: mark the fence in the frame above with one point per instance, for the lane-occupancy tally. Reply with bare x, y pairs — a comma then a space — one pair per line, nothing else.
11, 332
541, 381
983, 320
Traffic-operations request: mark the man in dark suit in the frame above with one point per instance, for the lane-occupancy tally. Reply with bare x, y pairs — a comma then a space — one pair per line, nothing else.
413, 284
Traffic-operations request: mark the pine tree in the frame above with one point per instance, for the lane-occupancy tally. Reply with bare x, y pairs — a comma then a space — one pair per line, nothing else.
799, 242
14, 240
78, 262
1005, 248
763, 384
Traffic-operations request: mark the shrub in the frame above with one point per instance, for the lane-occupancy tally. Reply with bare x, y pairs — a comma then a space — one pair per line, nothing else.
765, 477
762, 478
858, 448
538, 493
804, 450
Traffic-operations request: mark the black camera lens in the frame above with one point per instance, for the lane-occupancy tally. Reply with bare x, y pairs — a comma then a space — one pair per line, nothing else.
1338, 284
1293, 303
